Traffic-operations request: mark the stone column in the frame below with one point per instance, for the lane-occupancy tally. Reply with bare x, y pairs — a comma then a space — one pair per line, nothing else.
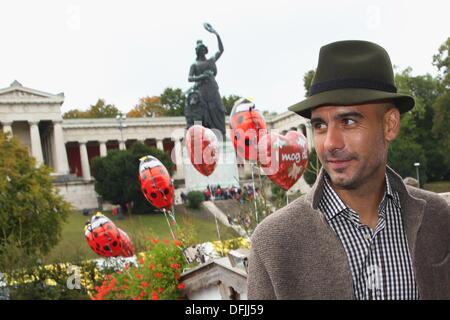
309, 135
60, 155
103, 149
84, 161
178, 151
36, 146
159, 144
7, 127
122, 145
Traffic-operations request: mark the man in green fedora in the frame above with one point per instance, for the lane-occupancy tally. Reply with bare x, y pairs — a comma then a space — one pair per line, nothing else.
360, 233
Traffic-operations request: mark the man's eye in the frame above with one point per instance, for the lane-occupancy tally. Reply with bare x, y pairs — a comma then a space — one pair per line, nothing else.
319, 126
348, 121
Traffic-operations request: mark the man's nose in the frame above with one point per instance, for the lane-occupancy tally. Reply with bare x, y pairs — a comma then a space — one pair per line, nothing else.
334, 139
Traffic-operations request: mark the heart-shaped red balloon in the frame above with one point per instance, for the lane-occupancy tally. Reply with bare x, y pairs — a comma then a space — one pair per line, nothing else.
283, 158
203, 149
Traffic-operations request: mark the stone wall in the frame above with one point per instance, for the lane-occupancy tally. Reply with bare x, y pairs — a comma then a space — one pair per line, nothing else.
80, 194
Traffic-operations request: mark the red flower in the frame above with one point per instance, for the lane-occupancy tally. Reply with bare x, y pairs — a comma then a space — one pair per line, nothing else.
141, 260
144, 284
175, 266
177, 276
181, 286
154, 296
166, 241
155, 241
160, 290
178, 243
139, 276
158, 275
151, 266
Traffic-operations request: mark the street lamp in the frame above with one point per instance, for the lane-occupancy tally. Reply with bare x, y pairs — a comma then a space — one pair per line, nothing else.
121, 118
417, 165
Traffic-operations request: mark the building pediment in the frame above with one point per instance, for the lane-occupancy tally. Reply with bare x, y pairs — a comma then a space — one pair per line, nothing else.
18, 94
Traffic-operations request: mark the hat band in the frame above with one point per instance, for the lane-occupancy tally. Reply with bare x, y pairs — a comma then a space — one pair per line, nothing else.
351, 83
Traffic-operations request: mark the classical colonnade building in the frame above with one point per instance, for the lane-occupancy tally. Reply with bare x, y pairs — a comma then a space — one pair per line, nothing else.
68, 146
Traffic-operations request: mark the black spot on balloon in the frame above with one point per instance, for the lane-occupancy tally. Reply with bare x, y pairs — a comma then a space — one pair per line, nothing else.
247, 142
153, 195
166, 191
114, 244
95, 234
106, 248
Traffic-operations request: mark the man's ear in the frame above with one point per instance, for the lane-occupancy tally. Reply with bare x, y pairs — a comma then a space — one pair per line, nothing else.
391, 123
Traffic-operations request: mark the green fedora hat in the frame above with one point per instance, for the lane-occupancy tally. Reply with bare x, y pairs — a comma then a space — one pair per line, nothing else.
352, 72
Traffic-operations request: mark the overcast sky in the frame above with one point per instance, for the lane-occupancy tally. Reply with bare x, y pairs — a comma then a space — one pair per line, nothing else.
124, 50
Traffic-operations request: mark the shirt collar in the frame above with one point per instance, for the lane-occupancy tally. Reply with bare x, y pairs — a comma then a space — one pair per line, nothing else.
334, 205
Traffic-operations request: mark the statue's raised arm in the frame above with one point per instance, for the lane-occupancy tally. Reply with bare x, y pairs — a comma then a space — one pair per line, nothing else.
209, 28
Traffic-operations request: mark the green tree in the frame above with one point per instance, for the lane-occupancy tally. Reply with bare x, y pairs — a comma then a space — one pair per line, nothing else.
149, 106
102, 110
228, 102
307, 80
116, 176
441, 107
75, 114
98, 110
416, 130
31, 211
173, 101
313, 168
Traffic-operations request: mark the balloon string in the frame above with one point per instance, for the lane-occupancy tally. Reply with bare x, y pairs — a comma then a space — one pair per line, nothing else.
168, 223
215, 219
252, 163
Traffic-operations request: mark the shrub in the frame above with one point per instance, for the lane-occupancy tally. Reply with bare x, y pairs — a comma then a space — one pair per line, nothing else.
194, 198
31, 211
156, 276
50, 282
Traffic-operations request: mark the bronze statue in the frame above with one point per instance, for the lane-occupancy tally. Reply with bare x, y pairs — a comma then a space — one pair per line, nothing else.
204, 102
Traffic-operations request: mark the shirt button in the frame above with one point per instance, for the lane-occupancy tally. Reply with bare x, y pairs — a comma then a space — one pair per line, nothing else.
378, 293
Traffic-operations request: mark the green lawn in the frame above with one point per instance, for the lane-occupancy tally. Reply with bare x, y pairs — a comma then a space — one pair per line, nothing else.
439, 186
73, 246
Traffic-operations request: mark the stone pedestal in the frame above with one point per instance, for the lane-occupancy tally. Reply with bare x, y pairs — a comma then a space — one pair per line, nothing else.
226, 172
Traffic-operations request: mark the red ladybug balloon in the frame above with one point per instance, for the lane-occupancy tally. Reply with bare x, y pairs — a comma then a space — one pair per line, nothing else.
247, 127
156, 183
127, 245
203, 149
106, 239
283, 158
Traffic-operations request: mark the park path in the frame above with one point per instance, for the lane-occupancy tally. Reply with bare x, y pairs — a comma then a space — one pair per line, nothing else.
222, 217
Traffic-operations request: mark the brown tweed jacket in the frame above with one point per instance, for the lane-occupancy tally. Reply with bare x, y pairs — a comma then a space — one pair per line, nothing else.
296, 255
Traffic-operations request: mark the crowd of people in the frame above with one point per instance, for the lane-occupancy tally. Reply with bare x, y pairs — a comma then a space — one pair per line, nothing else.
216, 192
